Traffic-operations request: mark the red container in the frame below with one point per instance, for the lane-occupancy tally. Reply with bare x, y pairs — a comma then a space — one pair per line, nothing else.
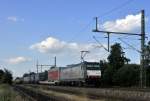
53, 74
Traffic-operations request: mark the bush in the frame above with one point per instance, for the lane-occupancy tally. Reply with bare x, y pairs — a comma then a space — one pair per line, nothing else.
128, 75
148, 76
5, 76
107, 76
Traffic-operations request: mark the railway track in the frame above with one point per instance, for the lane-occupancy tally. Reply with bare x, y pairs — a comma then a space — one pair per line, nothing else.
35, 95
23, 94
67, 90
98, 93
57, 94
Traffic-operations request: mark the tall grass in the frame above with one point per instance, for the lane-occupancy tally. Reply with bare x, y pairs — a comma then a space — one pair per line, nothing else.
8, 94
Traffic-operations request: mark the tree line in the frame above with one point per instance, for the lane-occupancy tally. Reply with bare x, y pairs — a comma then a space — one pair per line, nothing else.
5, 76
118, 72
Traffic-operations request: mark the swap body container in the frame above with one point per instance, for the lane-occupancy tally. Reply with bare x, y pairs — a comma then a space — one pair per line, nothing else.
54, 74
72, 73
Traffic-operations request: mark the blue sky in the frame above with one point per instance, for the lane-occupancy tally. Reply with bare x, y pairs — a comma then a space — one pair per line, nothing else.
64, 27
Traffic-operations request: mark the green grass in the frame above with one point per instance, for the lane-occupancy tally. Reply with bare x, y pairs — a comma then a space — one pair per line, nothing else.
8, 94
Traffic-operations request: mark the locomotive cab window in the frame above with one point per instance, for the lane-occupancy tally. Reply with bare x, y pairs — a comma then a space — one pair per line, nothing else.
93, 67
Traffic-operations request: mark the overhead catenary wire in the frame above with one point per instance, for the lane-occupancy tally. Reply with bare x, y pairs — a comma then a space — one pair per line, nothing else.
101, 45
116, 8
132, 47
103, 15
116, 32
82, 30
127, 37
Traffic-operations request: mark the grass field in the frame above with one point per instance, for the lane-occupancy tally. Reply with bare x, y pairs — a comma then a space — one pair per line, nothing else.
8, 94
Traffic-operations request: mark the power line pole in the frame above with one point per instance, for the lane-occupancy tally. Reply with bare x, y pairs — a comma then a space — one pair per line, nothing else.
142, 52
40, 66
142, 66
37, 66
43, 65
55, 61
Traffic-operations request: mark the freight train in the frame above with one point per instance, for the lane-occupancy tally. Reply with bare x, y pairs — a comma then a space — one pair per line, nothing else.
85, 73
33, 77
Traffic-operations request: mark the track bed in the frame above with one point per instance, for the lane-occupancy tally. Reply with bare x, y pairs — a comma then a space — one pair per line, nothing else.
123, 94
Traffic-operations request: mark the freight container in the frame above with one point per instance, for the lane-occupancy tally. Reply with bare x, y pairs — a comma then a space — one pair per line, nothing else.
73, 72
82, 73
53, 75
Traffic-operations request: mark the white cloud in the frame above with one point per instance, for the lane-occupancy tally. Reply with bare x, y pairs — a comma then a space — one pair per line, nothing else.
17, 60
14, 19
53, 45
129, 24
56, 47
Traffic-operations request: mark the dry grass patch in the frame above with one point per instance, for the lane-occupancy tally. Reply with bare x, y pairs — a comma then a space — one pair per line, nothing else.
8, 94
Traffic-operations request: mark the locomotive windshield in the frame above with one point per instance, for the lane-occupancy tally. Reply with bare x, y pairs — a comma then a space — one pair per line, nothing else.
93, 67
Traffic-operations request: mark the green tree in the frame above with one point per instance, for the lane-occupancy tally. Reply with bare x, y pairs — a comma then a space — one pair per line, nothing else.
103, 66
1, 76
148, 76
107, 76
7, 77
147, 63
128, 75
147, 54
104, 73
116, 60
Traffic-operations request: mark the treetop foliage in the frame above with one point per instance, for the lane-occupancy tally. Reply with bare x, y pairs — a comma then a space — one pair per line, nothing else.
117, 72
116, 58
5, 76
